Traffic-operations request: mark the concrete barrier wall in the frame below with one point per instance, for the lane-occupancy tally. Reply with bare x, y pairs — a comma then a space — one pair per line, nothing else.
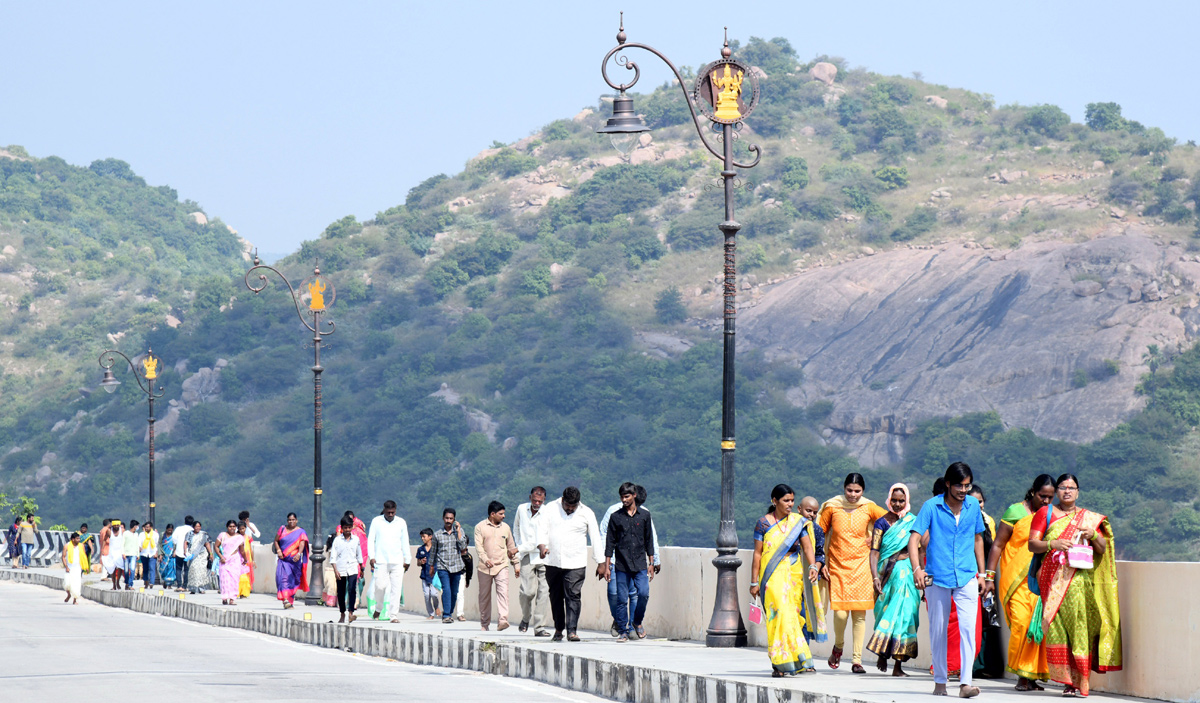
1160, 620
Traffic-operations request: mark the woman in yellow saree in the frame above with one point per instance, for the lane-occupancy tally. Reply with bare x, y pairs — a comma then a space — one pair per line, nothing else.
1080, 618
779, 575
246, 582
1009, 563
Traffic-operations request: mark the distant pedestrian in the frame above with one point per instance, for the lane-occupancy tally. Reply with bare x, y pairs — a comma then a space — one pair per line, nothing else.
231, 551
73, 559
291, 570
29, 530
166, 558
535, 591
629, 552
497, 549
360, 529
13, 537
639, 499
389, 556
246, 581
112, 552
346, 556
88, 540
148, 553
183, 540
433, 596
449, 546
563, 537
132, 550
813, 609
251, 528
200, 558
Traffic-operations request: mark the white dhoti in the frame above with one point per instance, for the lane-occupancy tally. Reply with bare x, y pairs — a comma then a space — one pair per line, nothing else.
112, 562
73, 581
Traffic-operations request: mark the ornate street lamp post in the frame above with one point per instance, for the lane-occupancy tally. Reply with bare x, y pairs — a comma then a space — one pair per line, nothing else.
320, 296
109, 383
725, 91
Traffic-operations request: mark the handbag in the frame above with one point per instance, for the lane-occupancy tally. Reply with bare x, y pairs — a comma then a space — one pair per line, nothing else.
1080, 555
756, 613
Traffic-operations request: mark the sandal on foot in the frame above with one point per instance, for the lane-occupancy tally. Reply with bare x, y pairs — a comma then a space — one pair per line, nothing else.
776, 674
858, 669
835, 659
1070, 692
968, 691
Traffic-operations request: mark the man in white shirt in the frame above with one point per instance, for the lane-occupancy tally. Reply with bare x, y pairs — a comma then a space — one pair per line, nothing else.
346, 556
389, 555
535, 590
563, 534
131, 546
251, 528
639, 500
183, 537
148, 553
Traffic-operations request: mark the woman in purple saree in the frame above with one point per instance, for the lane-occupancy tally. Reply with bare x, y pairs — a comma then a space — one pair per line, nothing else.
291, 571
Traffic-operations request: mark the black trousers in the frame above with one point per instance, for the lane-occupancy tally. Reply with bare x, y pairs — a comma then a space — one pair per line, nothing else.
565, 587
181, 572
347, 590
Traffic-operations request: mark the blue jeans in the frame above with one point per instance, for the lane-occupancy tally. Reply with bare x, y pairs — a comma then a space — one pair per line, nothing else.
26, 553
149, 570
632, 599
633, 587
130, 568
449, 591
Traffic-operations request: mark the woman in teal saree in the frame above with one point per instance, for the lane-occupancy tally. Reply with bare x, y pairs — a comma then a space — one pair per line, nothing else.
898, 605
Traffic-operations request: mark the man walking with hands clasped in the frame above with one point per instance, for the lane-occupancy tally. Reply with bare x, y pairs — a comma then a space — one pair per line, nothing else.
535, 591
497, 549
389, 556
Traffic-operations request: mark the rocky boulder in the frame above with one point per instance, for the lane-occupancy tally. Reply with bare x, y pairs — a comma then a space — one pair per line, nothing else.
912, 334
824, 72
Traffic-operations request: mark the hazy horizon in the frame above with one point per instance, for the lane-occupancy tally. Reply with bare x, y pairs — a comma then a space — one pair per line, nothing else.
280, 120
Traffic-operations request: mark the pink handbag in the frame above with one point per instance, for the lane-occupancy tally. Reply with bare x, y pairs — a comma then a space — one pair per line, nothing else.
1080, 556
756, 614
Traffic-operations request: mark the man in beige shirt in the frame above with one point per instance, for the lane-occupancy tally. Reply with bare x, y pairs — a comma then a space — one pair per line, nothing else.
497, 549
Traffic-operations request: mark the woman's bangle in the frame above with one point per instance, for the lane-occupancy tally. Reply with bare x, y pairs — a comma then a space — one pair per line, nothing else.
990, 575
753, 584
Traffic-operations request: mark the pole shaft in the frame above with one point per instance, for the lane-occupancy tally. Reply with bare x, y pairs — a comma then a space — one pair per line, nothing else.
726, 628
150, 421
317, 579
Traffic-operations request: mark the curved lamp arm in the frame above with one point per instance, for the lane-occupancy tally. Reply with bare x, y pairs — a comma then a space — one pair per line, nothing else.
623, 60
107, 361
315, 327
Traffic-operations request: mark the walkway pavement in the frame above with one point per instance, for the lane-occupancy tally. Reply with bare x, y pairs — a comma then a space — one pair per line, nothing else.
652, 670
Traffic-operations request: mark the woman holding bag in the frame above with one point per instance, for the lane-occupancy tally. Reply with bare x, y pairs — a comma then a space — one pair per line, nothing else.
1080, 620
779, 574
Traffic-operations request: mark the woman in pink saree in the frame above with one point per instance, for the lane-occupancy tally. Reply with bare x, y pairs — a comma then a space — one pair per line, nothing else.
291, 571
231, 549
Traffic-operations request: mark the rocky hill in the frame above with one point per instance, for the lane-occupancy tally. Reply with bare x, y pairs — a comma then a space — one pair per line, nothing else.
925, 275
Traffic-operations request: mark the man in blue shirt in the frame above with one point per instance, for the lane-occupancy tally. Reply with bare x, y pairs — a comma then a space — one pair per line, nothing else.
953, 571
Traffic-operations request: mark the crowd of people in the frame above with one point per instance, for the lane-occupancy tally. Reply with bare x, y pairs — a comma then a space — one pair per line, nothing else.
1048, 567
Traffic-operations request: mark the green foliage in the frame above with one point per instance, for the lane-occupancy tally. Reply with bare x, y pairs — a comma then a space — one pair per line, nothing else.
669, 307
892, 177
556, 131
922, 220
348, 226
754, 257
1104, 117
537, 281
1046, 120
794, 174
445, 277
1108, 154
506, 163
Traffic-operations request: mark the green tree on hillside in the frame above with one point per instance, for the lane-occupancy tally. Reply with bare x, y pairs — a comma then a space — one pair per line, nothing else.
1104, 117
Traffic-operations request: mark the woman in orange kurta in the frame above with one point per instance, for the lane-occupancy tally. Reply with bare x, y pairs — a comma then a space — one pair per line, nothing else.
847, 521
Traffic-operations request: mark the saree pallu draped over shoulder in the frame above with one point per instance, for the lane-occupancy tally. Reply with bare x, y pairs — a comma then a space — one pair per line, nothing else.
1026, 658
1080, 610
898, 607
291, 571
783, 586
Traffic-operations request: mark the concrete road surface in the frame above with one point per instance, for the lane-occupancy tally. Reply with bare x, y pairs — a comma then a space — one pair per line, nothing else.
58, 652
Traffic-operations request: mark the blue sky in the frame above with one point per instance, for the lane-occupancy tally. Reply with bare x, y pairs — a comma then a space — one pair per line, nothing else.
282, 117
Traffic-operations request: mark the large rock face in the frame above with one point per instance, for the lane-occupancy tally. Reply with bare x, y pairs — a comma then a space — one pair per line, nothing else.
912, 334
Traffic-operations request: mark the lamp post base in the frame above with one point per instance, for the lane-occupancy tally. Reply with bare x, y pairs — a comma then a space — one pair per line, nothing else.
726, 628
316, 580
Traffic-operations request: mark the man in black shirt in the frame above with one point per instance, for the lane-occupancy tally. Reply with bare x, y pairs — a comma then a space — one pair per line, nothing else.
629, 547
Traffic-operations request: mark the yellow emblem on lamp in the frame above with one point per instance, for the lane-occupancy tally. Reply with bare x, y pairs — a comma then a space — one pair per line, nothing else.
316, 289
727, 87
151, 366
